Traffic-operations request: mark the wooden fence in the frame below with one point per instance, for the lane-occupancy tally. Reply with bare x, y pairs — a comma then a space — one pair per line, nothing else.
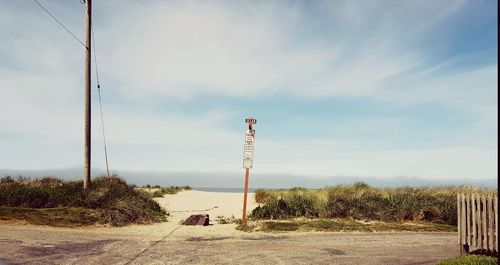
477, 222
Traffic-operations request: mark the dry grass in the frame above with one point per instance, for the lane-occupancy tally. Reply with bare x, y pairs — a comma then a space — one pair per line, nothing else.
109, 200
362, 202
158, 191
343, 225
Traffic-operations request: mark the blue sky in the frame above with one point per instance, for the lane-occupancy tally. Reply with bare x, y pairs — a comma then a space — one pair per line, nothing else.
339, 88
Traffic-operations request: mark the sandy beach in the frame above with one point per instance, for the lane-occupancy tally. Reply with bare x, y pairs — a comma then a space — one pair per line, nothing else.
172, 243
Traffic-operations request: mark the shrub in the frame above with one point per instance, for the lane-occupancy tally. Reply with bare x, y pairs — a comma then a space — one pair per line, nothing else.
301, 203
262, 195
274, 209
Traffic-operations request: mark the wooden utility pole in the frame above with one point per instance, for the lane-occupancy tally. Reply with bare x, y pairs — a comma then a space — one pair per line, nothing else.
88, 31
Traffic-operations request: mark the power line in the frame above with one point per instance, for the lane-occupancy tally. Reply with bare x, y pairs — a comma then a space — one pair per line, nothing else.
100, 102
96, 70
60, 23
95, 59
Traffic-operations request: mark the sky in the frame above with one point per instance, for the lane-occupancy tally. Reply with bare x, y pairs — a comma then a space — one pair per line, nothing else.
372, 89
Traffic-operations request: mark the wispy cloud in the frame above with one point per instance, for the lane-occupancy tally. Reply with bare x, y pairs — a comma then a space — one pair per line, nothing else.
178, 77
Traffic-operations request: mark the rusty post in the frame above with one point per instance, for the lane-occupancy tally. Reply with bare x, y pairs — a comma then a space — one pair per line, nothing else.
244, 218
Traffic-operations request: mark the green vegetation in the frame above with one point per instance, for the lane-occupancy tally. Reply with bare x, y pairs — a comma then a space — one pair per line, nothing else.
158, 191
359, 201
469, 260
227, 220
345, 225
51, 201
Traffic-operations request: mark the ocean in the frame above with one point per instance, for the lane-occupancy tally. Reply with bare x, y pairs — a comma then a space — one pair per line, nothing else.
232, 190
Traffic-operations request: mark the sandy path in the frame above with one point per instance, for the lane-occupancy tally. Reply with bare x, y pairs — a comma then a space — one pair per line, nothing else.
215, 204
170, 243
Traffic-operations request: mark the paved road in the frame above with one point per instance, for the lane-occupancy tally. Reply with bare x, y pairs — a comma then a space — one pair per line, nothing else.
174, 244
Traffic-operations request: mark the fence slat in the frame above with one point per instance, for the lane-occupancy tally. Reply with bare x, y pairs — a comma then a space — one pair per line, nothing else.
489, 207
473, 221
496, 221
469, 220
484, 235
459, 221
464, 227
479, 222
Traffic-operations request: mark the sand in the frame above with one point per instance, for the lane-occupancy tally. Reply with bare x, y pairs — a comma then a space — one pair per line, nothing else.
186, 203
215, 204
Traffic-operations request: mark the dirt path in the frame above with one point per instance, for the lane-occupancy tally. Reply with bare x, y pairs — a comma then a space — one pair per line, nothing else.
170, 243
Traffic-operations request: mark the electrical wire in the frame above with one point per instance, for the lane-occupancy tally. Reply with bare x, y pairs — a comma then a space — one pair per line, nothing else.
96, 71
60, 23
100, 102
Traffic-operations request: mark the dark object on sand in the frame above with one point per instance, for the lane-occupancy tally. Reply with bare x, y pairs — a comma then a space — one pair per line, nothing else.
197, 219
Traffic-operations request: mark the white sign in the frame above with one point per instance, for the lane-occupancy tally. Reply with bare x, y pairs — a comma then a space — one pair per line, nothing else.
249, 139
248, 149
247, 163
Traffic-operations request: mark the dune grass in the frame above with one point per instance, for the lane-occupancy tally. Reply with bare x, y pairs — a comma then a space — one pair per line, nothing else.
157, 191
51, 201
469, 260
359, 201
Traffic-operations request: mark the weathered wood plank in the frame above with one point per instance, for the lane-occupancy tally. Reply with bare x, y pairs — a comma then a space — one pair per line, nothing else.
479, 222
459, 217
495, 227
468, 219
496, 221
464, 227
489, 204
473, 221
484, 223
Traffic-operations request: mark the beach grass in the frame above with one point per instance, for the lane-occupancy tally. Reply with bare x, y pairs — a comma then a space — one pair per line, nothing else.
157, 191
360, 201
52, 201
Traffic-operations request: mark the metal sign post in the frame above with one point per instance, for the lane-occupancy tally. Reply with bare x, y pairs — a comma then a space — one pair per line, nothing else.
248, 162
